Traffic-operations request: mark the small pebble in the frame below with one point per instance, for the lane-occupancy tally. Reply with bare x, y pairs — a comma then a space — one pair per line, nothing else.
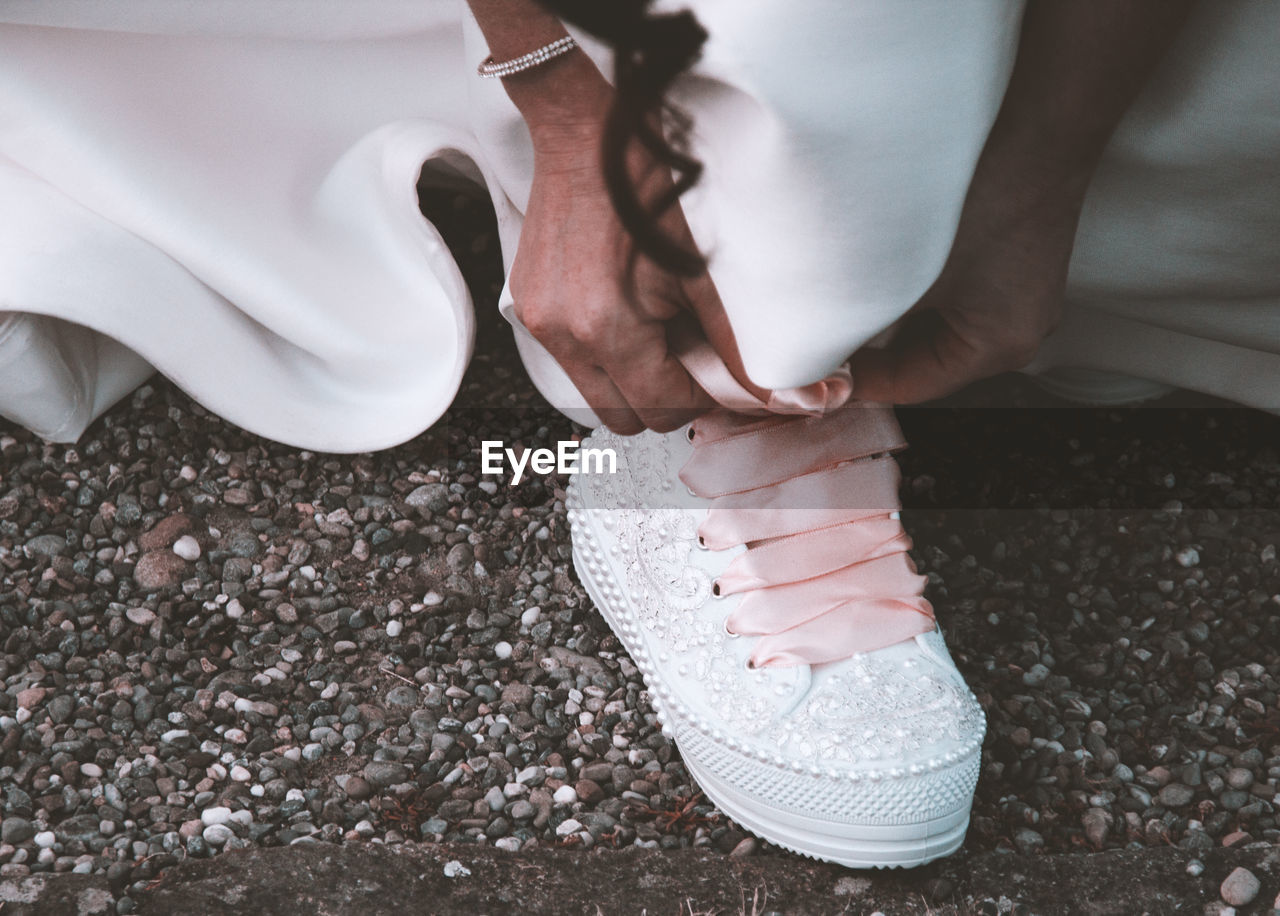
216, 815
140, 615
217, 834
455, 869
1240, 888
187, 547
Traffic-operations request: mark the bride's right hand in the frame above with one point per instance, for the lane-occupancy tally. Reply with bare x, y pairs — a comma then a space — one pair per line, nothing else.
571, 288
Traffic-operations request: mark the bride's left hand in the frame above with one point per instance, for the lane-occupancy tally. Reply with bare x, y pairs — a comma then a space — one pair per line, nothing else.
998, 296
1079, 67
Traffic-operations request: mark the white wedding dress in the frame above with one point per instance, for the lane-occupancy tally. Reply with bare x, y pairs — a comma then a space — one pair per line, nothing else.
224, 191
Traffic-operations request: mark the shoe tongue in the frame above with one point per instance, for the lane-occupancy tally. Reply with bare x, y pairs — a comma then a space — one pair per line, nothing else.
778, 487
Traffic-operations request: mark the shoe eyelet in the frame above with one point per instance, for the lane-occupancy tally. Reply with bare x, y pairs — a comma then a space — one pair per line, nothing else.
690, 434
750, 666
702, 543
729, 632
689, 490
715, 589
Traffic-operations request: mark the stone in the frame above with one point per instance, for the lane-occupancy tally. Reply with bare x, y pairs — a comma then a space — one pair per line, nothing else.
568, 826
46, 546
260, 707
82, 827
495, 799
217, 834
166, 532
434, 825
187, 547
460, 557
402, 696
598, 772
429, 498
1028, 841
1239, 778
455, 869
15, 830
517, 693
237, 496
358, 788
142, 616
61, 707
1241, 887
215, 815
1097, 825
1176, 795
1036, 676
383, 773
31, 697
588, 791
159, 569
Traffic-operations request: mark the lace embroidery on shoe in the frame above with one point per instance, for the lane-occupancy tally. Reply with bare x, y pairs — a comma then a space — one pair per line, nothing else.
909, 707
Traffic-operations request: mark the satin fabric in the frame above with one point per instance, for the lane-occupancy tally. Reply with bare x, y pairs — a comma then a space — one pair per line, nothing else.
826, 572
225, 190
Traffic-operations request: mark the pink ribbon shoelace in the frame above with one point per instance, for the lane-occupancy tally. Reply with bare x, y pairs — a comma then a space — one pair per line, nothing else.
807, 483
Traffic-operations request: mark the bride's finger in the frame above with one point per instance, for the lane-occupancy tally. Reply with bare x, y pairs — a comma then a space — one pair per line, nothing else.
927, 359
594, 384
661, 392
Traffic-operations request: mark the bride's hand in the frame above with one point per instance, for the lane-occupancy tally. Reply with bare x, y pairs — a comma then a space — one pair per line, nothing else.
1079, 67
998, 296
571, 287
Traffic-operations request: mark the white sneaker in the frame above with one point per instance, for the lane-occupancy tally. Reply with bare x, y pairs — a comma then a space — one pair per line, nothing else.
867, 760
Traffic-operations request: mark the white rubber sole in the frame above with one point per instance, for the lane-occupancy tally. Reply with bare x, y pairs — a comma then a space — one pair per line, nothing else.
855, 845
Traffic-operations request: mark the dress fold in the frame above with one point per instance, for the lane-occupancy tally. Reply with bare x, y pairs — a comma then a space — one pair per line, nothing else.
225, 191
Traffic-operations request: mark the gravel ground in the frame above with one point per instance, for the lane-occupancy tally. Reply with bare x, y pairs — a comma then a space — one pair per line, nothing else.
209, 641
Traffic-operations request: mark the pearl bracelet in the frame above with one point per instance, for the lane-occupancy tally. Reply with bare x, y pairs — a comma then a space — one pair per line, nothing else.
491, 68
